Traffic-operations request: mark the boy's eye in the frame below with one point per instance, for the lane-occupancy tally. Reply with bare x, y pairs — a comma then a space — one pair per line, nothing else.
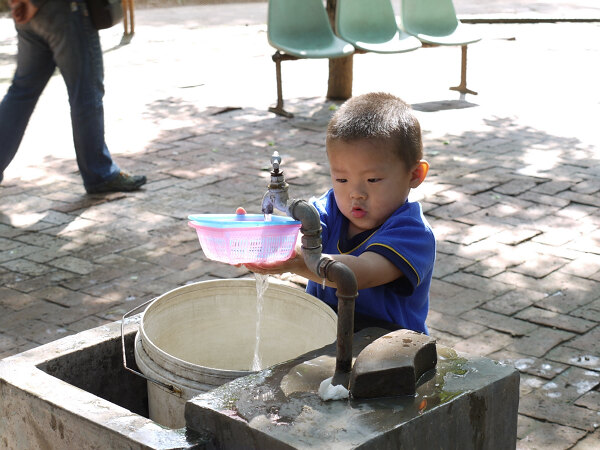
341, 180
374, 180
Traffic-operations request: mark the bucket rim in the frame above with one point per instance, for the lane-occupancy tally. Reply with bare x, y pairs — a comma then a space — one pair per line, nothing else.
165, 359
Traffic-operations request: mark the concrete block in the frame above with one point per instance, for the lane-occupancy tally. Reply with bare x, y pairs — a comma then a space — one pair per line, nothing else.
467, 402
74, 393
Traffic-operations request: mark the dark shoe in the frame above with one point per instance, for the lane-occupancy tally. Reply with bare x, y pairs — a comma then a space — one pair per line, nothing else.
122, 182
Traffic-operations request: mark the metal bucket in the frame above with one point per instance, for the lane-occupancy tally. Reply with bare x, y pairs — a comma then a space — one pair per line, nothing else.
200, 336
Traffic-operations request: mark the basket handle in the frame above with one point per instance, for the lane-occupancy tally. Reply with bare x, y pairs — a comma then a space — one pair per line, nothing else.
170, 387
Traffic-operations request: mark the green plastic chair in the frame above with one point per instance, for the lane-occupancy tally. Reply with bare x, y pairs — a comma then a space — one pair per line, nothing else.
300, 29
434, 22
370, 25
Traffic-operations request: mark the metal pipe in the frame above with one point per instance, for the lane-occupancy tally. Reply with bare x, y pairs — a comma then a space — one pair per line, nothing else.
347, 291
276, 197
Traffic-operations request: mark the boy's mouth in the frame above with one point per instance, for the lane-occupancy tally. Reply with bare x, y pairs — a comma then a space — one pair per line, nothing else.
358, 212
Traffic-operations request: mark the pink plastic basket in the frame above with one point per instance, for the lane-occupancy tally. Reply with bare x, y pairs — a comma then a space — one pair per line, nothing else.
234, 240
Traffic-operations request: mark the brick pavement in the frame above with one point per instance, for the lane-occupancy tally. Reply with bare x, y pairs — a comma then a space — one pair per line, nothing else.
513, 193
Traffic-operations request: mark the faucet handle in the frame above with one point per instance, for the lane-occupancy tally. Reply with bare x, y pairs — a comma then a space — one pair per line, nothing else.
275, 161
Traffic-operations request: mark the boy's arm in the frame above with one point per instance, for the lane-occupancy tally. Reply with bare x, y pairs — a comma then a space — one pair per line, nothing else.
370, 269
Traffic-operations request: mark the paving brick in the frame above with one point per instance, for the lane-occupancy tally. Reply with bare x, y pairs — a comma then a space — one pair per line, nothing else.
442, 338
515, 187
590, 442
584, 199
539, 341
512, 301
538, 405
474, 233
591, 311
487, 288
584, 266
589, 243
464, 300
453, 210
453, 325
72, 264
25, 267
529, 384
587, 187
555, 320
28, 284
575, 357
587, 342
540, 266
590, 400
552, 187
442, 290
8, 342
526, 425
484, 343
549, 436
568, 299
65, 297
516, 236
499, 322
476, 251
16, 252
487, 268
8, 232
447, 264
576, 211
542, 199
14, 300
539, 367
572, 384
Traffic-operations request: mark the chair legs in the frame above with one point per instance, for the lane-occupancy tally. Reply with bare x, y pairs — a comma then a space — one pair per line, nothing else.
128, 22
278, 108
462, 87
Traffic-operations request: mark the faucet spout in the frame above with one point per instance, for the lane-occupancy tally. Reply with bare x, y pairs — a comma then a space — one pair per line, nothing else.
276, 197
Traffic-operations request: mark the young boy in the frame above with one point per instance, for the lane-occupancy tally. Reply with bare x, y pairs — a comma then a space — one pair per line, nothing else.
375, 155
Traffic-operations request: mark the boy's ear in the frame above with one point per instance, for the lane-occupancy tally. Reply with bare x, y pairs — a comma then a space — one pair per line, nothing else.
418, 174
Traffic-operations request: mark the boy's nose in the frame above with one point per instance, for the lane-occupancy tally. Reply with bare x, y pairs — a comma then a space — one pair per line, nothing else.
357, 194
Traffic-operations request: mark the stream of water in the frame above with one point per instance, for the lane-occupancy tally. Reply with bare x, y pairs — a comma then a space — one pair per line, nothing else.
262, 283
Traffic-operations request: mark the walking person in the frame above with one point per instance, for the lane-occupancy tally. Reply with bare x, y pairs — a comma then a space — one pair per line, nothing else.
59, 33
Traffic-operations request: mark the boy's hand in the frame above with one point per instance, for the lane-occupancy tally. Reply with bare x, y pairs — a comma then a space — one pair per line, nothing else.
276, 267
22, 11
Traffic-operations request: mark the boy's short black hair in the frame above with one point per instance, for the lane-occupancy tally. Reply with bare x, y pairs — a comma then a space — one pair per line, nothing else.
379, 116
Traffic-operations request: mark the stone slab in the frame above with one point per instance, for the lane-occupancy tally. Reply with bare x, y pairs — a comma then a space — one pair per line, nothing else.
68, 395
469, 402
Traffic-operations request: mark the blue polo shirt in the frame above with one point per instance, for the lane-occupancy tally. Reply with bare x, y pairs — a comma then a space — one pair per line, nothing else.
406, 239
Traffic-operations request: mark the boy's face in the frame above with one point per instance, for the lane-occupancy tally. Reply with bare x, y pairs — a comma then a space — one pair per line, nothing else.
369, 181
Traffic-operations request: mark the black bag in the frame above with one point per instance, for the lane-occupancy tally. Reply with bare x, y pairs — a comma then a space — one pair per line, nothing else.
105, 13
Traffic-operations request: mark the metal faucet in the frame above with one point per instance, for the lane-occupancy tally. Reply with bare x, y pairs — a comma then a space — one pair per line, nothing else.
277, 190
324, 267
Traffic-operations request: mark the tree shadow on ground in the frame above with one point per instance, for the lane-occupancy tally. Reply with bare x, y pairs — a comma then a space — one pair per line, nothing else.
506, 177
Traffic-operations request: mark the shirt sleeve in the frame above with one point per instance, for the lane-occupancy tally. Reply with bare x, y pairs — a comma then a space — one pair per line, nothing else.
322, 204
410, 246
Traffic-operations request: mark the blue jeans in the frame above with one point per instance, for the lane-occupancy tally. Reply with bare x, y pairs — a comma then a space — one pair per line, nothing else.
60, 35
